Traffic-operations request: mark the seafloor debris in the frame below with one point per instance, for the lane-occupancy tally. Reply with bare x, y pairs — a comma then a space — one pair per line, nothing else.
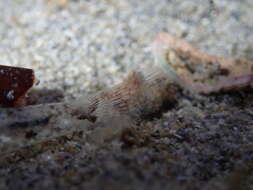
198, 71
15, 82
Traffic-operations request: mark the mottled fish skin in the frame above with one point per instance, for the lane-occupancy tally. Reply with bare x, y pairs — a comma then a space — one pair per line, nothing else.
103, 115
20, 127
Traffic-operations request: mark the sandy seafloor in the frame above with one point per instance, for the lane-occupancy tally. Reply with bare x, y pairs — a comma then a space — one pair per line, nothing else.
86, 45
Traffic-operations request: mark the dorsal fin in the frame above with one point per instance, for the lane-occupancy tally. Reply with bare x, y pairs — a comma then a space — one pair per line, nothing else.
138, 95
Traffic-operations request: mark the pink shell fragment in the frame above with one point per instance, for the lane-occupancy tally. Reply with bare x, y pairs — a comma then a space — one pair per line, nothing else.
198, 71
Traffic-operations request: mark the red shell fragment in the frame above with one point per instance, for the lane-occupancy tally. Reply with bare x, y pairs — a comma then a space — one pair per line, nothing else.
15, 82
